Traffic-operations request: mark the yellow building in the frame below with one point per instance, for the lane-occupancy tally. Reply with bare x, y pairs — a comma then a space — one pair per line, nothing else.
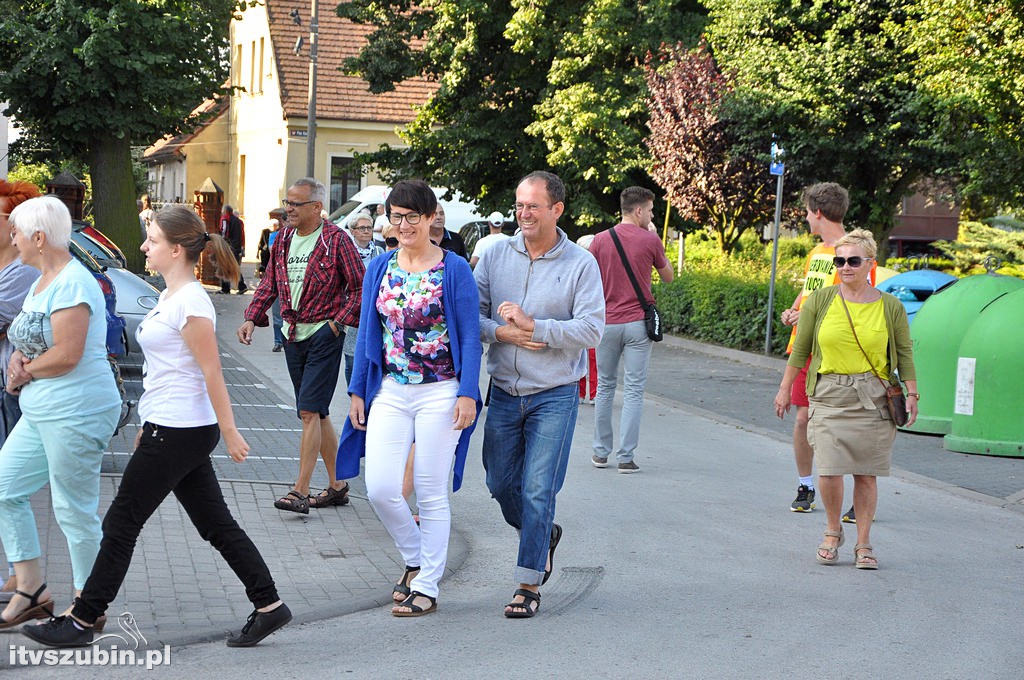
257, 146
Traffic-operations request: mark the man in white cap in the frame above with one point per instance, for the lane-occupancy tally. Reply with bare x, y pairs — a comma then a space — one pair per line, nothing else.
495, 221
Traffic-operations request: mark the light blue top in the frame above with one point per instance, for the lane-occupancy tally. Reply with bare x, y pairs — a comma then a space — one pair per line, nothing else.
87, 388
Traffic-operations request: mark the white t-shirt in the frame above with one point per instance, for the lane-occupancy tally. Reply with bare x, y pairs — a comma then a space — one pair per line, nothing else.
487, 242
174, 388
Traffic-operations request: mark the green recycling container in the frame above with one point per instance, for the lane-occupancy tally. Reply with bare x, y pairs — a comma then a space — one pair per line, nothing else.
989, 401
937, 331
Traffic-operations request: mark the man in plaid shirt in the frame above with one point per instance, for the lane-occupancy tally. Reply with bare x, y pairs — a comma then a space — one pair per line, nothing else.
317, 274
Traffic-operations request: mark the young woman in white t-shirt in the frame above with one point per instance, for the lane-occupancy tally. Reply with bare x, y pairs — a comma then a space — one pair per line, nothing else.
185, 410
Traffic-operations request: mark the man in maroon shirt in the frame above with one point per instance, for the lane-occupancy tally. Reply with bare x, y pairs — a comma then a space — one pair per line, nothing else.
625, 334
317, 274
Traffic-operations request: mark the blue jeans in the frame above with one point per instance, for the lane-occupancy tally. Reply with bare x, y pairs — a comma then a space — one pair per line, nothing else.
277, 322
525, 452
629, 342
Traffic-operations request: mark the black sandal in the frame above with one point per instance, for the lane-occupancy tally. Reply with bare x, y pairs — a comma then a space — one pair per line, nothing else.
415, 609
556, 536
402, 587
34, 610
330, 496
293, 501
524, 609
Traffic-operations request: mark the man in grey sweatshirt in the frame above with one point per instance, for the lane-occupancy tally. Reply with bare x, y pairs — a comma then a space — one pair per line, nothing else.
541, 307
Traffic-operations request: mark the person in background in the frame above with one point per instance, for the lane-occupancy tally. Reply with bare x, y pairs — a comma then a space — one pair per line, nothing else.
857, 337
449, 240
232, 229
16, 278
145, 213
495, 222
362, 235
380, 225
185, 410
69, 402
588, 383
390, 237
317, 275
625, 331
416, 378
826, 204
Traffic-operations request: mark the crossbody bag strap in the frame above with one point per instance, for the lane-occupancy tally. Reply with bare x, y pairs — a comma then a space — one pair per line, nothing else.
629, 270
852, 328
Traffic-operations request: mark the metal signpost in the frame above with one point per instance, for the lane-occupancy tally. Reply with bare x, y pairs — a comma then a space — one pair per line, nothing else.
777, 168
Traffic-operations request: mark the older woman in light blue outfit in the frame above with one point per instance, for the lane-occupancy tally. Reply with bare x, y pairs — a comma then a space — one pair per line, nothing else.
69, 402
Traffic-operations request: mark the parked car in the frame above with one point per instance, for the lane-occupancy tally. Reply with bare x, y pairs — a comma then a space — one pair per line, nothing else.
135, 296
101, 238
457, 211
471, 232
115, 323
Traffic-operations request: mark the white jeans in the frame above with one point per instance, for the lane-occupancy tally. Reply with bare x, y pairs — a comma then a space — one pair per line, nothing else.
399, 416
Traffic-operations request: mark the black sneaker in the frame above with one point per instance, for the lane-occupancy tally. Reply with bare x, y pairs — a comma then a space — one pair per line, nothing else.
259, 625
59, 631
849, 517
804, 500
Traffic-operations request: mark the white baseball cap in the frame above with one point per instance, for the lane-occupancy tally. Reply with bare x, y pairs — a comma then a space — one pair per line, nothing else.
496, 218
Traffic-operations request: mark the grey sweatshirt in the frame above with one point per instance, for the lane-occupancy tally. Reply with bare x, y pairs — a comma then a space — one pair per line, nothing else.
562, 291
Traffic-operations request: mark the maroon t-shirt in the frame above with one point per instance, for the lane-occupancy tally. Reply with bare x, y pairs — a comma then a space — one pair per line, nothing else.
644, 251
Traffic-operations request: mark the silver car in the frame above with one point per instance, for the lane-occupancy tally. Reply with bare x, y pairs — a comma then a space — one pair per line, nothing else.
135, 296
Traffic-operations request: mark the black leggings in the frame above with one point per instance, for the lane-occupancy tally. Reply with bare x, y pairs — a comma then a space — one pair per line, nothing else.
171, 459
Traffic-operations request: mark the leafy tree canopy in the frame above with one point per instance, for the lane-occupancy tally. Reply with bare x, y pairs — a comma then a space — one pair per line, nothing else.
523, 86
97, 76
832, 78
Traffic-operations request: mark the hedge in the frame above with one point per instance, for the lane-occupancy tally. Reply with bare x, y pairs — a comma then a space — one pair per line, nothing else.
726, 310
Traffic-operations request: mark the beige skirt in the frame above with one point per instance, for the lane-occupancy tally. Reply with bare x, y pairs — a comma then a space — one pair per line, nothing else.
849, 426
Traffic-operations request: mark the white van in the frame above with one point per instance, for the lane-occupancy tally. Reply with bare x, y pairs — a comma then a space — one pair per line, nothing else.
457, 212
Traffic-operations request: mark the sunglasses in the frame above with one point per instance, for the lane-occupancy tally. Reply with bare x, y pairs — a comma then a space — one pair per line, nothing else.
854, 261
391, 242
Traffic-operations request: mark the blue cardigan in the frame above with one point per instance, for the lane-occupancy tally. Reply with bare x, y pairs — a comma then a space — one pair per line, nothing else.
462, 315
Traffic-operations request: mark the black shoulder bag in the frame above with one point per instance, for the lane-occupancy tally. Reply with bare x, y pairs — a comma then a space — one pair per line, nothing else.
652, 317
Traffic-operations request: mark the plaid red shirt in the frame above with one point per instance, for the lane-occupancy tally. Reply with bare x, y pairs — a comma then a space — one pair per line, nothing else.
331, 290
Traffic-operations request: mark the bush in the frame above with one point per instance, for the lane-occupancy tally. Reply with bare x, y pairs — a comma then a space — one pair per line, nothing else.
725, 308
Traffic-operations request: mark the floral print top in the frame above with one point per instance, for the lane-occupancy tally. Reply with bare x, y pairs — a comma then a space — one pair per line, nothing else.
417, 349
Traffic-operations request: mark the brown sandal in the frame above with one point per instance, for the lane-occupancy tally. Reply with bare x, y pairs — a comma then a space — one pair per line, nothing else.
293, 501
330, 496
35, 609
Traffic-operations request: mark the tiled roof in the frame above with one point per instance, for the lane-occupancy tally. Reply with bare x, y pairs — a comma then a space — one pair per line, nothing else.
170, 145
338, 96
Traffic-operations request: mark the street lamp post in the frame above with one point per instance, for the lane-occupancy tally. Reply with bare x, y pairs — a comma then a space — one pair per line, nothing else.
314, 26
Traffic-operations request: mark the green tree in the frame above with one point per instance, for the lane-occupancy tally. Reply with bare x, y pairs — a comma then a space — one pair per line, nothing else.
969, 56
836, 81
522, 86
98, 76
695, 157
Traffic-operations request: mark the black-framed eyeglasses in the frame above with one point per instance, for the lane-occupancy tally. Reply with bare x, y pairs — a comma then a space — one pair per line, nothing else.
362, 228
295, 204
854, 261
391, 242
413, 218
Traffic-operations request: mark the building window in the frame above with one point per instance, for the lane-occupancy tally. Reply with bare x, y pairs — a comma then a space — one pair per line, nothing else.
346, 179
259, 80
252, 69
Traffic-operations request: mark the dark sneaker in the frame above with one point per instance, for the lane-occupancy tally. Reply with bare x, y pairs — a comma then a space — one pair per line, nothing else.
59, 631
259, 625
278, 347
628, 468
849, 517
804, 500
599, 462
